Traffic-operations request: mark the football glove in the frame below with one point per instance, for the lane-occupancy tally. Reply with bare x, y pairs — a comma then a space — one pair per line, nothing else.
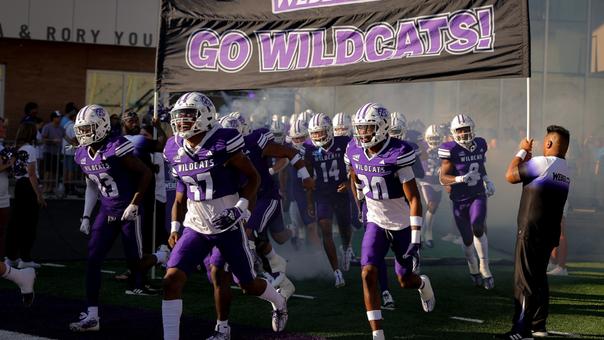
130, 213
414, 245
470, 177
229, 218
85, 225
489, 187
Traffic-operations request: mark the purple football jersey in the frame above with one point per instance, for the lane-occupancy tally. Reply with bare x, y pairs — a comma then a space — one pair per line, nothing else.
431, 167
378, 174
105, 168
203, 170
328, 164
255, 142
464, 161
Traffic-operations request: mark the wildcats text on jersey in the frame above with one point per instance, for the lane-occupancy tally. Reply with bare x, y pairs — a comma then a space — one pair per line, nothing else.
201, 165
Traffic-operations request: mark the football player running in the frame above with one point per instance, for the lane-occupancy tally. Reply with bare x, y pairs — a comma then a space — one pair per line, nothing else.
206, 159
382, 166
430, 185
324, 155
463, 168
121, 180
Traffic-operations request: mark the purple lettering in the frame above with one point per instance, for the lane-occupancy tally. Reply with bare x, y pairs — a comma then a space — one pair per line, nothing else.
303, 51
485, 22
433, 27
319, 56
277, 50
235, 51
349, 45
408, 43
202, 50
377, 42
465, 37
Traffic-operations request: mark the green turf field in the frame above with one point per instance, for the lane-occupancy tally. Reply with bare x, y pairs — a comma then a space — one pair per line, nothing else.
577, 304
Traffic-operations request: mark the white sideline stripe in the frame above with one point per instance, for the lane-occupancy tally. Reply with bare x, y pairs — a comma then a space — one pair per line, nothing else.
307, 297
563, 334
108, 272
56, 265
466, 319
6, 335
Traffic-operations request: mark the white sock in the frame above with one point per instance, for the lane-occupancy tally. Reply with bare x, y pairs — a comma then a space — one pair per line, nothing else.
93, 312
272, 296
171, 311
18, 277
470, 254
378, 335
482, 249
222, 323
428, 226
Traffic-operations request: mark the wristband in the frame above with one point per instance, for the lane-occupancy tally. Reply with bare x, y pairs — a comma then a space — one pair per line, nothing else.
303, 173
458, 179
85, 217
242, 204
295, 159
416, 221
416, 236
521, 154
174, 227
271, 171
374, 315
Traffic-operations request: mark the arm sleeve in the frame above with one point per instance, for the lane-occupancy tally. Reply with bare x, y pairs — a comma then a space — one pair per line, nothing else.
90, 197
532, 169
265, 138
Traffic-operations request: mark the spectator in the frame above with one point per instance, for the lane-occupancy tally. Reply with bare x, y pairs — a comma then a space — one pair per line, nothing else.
70, 168
52, 136
7, 159
23, 220
30, 113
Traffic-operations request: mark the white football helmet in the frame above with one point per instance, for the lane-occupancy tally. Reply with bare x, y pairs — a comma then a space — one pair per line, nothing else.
243, 126
298, 133
278, 130
433, 137
305, 115
342, 124
462, 129
320, 130
370, 124
398, 125
193, 113
284, 119
92, 124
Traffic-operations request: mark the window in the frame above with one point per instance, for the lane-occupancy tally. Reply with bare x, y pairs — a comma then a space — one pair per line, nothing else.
1, 90
118, 91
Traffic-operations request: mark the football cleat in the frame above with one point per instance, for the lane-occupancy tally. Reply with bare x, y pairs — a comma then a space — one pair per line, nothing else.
514, 336
387, 300
85, 324
280, 319
10, 263
477, 280
488, 282
220, 333
141, 292
426, 294
340, 282
558, 271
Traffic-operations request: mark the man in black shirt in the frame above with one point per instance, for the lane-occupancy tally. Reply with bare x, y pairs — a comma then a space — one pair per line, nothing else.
545, 181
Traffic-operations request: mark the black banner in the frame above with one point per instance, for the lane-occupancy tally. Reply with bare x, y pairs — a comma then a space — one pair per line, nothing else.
250, 44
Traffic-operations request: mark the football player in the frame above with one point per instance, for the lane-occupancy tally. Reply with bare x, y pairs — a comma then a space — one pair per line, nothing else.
23, 278
121, 180
430, 185
463, 168
342, 125
206, 160
324, 155
291, 184
382, 166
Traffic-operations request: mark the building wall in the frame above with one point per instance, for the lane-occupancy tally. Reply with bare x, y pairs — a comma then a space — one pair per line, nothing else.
53, 74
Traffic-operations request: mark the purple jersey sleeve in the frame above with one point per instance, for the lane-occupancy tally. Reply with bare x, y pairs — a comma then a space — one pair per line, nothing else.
255, 142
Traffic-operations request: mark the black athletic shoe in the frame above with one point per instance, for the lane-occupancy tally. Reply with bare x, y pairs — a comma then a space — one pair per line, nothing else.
513, 336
